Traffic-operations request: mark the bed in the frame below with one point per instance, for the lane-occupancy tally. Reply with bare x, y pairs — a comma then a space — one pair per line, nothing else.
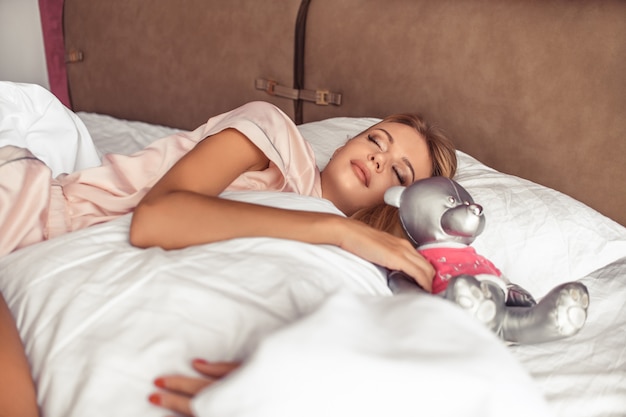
319, 329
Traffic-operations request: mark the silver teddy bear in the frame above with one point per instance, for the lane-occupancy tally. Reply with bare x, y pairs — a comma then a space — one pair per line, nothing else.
442, 220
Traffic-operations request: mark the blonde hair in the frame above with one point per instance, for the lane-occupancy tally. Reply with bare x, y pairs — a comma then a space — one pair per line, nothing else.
443, 163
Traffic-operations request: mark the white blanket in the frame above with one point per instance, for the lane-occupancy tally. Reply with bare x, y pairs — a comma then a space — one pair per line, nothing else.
379, 356
101, 319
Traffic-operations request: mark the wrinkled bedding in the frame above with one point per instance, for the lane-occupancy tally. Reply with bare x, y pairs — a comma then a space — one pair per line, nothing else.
320, 329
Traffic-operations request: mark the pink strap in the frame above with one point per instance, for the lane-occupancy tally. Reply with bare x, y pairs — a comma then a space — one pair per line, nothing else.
51, 12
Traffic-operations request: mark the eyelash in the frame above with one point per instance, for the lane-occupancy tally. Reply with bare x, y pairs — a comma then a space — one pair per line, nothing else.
401, 178
374, 140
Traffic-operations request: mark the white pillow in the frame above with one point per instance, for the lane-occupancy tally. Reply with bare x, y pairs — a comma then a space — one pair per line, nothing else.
327, 135
537, 236
31, 117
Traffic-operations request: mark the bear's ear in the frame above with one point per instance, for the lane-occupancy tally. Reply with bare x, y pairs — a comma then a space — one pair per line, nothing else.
393, 195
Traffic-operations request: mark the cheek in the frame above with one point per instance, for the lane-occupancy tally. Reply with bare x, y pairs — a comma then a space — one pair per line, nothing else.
377, 189
337, 152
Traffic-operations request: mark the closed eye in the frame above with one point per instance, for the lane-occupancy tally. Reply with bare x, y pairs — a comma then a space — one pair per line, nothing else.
374, 140
401, 177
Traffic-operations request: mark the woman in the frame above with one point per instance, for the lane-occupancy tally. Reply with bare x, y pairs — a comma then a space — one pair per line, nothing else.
175, 183
390, 153
397, 151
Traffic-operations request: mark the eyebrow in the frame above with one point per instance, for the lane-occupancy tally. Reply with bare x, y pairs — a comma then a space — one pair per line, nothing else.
404, 159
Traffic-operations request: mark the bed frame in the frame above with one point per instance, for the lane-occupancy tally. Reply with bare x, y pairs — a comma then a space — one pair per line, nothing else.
536, 89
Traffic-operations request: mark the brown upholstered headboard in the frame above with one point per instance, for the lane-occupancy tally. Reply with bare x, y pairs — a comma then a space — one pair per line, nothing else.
533, 88
176, 62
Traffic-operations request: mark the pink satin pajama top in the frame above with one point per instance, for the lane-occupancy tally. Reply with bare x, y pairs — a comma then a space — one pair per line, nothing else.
95, 195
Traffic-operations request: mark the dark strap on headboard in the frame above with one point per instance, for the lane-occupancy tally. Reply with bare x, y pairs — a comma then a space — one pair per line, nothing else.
298, 62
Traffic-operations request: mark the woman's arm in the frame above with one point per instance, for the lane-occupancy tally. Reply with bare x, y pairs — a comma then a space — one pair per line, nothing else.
184, 209
17, 390
185, 205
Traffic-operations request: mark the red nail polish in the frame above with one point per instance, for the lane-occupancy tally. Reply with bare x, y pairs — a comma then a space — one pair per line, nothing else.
155, 399
160, 382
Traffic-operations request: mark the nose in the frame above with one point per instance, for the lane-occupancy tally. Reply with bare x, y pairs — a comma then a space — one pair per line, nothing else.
377, 159
476, 209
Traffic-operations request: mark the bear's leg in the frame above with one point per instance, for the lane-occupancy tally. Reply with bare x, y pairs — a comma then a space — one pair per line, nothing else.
400, 283
482, 299
561, 313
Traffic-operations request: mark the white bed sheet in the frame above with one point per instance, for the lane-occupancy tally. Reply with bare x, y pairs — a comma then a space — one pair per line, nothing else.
100, 319
586, 375
539, 238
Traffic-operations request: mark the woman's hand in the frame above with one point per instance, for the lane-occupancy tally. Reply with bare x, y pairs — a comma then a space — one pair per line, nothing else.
178, 391
386, 250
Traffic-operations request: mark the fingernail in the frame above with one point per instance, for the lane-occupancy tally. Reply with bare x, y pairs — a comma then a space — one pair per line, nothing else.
155, 399
160, 382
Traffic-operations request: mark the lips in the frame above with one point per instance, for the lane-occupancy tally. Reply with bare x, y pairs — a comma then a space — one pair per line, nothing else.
361, 171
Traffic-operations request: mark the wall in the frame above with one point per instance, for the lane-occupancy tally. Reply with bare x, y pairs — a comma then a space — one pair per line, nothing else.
22, 57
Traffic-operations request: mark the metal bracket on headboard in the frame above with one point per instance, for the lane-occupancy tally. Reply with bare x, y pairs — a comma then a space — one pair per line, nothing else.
73, 56
320, 96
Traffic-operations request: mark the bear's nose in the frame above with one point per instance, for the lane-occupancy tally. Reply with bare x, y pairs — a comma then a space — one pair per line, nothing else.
476, 209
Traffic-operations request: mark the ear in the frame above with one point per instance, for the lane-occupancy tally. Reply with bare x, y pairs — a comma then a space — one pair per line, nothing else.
393, 195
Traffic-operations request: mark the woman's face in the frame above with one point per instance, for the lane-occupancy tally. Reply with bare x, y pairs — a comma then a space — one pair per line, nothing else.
385, 155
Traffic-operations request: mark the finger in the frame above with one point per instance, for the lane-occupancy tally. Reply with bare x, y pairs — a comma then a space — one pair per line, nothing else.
178, 403
423, 273
417, 267
215, 370
389, 251
183, 384
424, 279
